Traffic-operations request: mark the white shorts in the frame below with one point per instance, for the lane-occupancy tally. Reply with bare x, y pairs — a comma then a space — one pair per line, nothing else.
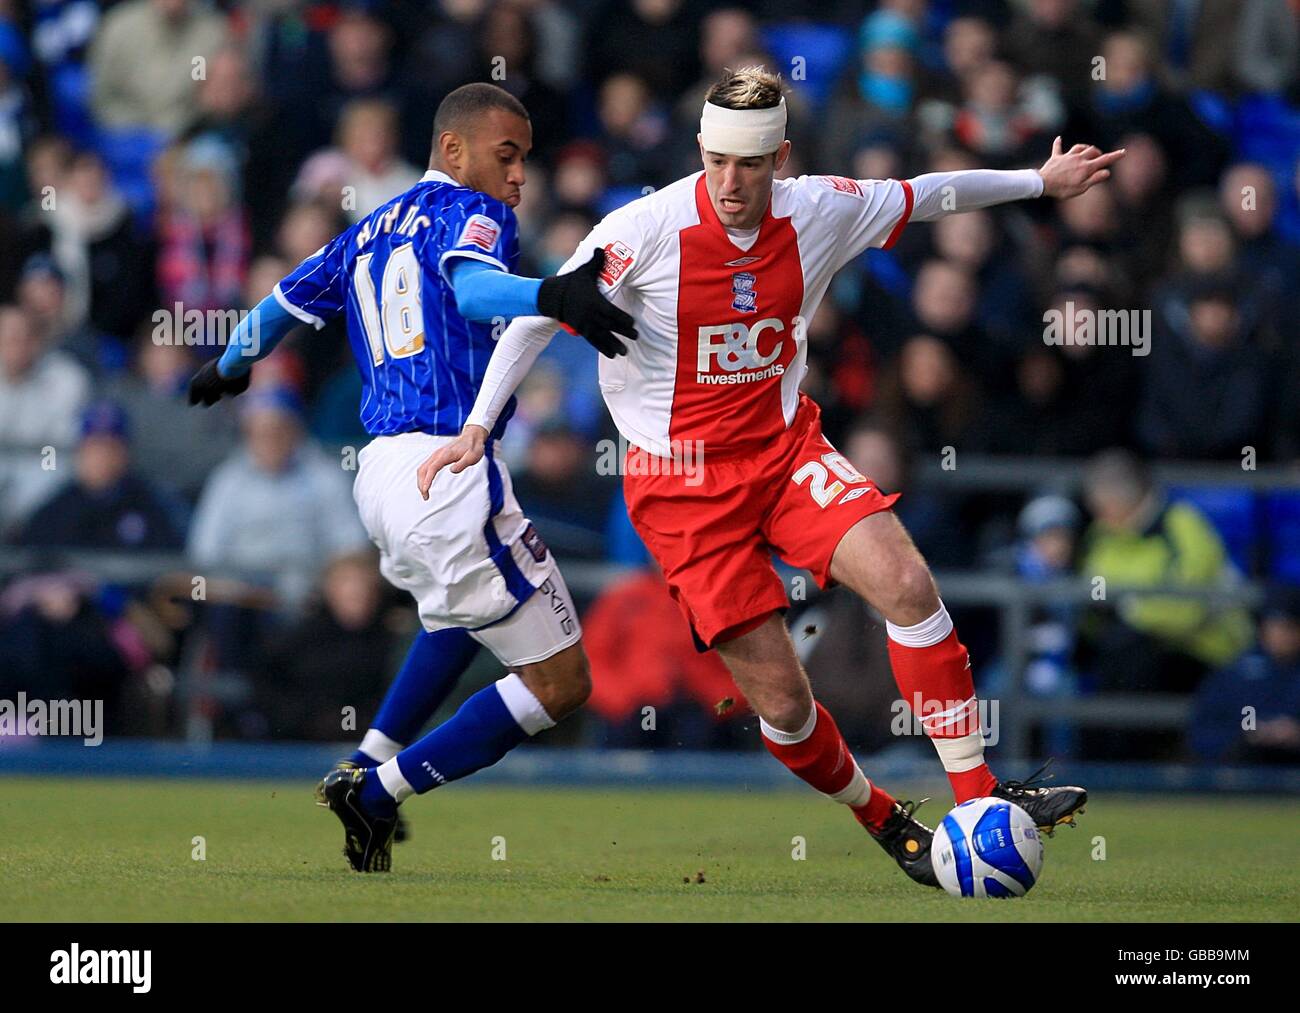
468, 555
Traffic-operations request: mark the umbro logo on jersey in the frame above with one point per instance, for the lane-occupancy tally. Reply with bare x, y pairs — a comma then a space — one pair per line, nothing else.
742, 261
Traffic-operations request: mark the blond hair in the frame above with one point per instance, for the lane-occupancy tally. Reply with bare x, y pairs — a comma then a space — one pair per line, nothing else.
752, 87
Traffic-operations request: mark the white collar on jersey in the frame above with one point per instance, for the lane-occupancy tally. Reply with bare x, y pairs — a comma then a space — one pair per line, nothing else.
436, 176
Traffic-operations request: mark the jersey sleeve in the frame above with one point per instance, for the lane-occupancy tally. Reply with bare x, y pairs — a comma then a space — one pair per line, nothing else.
862, 213
865, 213
623, 239
478, 228
317, 289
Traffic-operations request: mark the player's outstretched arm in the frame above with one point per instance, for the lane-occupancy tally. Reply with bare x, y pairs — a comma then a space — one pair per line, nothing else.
1064, 175
574, 299
255, 337
208, 386
1068, 174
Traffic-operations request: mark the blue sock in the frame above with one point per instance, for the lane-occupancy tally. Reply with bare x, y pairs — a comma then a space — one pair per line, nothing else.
432, 666
488, 725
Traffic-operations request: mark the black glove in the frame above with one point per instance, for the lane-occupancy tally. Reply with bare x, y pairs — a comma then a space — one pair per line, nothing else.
209, 386
575, 299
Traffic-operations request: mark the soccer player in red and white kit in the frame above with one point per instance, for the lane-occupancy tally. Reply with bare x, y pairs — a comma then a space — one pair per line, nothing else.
721, 270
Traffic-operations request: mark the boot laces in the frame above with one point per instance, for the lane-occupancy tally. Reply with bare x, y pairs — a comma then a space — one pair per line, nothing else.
1026, 786
904, 809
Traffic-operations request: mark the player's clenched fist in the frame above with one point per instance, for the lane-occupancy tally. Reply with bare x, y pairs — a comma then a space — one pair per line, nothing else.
575, 300
208, 386
465, 451
1068, 174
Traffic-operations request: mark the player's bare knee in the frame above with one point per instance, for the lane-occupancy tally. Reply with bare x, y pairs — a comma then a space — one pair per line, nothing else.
909, 595
916, 593
578, 680
561, 683
787, 712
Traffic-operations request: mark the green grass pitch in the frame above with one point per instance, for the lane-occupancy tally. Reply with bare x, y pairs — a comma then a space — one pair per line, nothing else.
103, 850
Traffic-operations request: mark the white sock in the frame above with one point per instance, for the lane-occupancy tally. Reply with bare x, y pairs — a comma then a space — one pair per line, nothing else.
379, 746
926, 633
390, 776
960, 754
789, 738
857, 792
524, 707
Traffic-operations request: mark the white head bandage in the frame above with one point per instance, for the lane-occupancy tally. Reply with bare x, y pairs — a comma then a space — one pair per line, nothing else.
742, 132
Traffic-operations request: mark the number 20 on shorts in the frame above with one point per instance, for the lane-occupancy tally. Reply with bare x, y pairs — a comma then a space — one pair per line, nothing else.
823, 489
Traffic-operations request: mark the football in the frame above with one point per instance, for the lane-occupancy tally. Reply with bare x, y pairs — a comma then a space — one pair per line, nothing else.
987, 847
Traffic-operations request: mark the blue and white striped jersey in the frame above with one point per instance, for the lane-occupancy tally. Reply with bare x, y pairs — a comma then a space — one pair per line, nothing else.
421, 361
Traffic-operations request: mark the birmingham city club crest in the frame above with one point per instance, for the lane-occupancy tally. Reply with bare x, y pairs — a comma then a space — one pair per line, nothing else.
743, 297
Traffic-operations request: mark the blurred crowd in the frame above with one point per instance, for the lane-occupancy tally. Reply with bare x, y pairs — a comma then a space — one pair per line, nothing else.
181, 156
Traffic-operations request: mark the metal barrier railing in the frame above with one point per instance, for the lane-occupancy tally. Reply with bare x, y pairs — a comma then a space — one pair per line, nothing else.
1018, 710
1014, 600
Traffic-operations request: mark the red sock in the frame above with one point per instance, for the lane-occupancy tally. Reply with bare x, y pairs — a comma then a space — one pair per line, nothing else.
932, 670
978, 782
821, 757
878, 809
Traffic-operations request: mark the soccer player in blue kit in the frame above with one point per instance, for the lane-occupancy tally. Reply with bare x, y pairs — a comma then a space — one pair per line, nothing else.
425, 280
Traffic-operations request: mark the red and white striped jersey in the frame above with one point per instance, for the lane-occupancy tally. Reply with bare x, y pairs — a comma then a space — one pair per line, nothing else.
722, 317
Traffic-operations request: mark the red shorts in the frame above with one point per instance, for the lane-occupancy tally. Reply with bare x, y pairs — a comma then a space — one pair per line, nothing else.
714, 532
